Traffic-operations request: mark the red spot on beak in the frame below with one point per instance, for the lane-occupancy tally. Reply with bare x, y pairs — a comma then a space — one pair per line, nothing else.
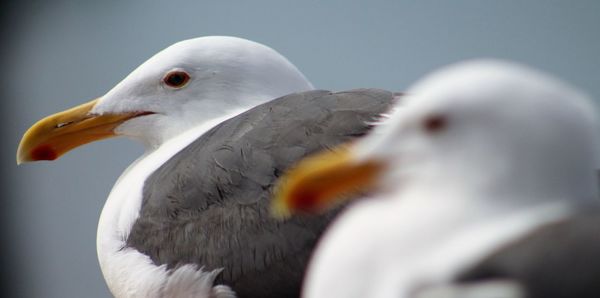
43, 152
305, 200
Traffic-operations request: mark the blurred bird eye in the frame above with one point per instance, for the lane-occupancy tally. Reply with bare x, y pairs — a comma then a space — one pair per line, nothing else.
435, 124
176, 79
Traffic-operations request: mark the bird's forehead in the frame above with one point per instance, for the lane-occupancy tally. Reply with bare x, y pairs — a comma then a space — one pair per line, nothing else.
154, 69
486, 88
486, 95
185, 56
164, 61
203, 54
211, 49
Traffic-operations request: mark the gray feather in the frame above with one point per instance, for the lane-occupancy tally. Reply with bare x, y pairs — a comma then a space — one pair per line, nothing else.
208, 205
560, 260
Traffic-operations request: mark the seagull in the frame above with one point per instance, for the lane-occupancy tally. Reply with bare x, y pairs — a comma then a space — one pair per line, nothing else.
482, 183
220, 118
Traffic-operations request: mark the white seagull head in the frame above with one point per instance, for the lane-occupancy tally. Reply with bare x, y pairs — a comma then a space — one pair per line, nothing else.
482, 126
489, 126
199, 79
179, 88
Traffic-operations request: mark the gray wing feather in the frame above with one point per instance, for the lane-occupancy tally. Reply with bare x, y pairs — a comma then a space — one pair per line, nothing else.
559, 260
208, 205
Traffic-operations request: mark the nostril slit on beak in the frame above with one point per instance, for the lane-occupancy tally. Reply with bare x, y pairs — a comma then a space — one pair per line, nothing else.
62, 124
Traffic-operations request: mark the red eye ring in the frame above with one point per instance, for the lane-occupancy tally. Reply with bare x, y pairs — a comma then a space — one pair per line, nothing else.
435, 124
176, 79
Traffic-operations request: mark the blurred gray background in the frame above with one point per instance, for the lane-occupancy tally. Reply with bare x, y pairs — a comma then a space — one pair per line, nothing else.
57, 54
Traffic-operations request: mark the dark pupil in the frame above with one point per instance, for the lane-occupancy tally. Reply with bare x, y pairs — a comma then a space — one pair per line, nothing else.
175, 79
435, 124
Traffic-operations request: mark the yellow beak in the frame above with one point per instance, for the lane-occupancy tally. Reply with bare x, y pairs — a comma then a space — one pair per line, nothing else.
57, 134
319, 182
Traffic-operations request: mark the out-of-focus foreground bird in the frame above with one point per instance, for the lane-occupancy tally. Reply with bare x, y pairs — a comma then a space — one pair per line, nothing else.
483, 185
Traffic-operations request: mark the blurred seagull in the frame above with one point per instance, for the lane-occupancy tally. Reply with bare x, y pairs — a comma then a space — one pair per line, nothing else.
485, 186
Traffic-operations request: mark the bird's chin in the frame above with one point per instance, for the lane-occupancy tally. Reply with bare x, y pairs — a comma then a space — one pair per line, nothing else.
149, 129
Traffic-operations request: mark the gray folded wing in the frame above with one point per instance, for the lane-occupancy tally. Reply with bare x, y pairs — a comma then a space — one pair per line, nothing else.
208, 205
559, 260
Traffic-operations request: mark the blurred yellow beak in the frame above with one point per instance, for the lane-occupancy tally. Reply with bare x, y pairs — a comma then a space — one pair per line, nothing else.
57, 134
321, 181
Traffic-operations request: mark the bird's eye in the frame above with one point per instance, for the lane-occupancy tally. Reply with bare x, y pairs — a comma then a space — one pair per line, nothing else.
434, 124
176, 79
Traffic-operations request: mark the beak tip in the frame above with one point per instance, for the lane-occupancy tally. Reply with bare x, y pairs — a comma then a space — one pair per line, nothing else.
43, 152
54, 135
21, 157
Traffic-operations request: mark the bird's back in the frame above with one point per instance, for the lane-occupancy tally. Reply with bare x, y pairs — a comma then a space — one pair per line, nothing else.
559, 260
209, 204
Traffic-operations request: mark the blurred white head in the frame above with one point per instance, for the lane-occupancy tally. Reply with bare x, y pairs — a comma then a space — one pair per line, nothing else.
493, 127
